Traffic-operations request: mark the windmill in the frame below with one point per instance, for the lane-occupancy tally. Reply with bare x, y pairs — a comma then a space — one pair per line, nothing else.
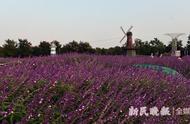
129, 43
127, 34
174, 37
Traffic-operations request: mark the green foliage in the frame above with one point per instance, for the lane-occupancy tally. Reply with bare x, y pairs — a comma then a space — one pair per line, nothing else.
104, 89
70, 47
44, 48
188, 45
143, 48
155, 46
9, 48
82, 47
60, 89
19, 98
57, 118
116, 50
179, 46
36, 51
24, 48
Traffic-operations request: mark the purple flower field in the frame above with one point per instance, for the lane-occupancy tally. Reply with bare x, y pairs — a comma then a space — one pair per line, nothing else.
91, 89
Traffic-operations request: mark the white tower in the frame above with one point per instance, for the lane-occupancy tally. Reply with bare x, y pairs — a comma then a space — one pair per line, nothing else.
53, 49
174, 37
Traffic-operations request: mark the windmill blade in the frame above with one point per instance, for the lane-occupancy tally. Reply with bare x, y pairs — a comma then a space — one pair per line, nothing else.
123, 30
122, 39
174, 35
130, 29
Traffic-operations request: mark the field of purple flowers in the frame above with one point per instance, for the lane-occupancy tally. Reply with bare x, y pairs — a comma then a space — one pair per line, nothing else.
90, 89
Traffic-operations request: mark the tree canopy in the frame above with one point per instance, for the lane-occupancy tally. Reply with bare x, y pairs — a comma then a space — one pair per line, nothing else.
24, 48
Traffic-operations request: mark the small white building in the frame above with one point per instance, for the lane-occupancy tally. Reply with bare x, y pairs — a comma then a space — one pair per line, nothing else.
178, 53
53, 49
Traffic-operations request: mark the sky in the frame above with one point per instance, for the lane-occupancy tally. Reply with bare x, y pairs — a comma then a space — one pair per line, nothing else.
95, 21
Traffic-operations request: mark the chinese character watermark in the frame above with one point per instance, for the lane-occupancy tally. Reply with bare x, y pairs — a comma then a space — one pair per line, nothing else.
155, 111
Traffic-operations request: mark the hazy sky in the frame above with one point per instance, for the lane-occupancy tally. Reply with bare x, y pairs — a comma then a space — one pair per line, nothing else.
94, 21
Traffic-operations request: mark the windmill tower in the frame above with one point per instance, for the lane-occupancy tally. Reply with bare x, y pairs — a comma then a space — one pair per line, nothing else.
131, 51
174, 36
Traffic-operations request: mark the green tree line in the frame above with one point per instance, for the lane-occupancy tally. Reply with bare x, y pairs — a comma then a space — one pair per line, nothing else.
24, 48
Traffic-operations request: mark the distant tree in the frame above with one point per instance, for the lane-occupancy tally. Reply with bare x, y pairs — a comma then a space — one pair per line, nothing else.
188, 42
188, 39
110, 51
101, 51
1, 52
58, 46
138, 43
36, 51
139, 46
187, 47
116, 50
98, 51
45, 48
143, 48
179, 45
84, 47
70, 47
147, 50
10, 48
104, 51
157, 47
24, 48
169, 46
